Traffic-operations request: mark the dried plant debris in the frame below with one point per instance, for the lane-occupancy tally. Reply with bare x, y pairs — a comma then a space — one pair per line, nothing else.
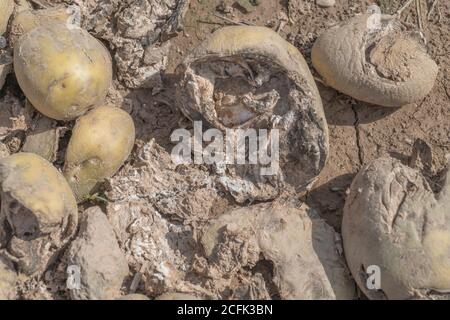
137, 32
250, 78
374, 58
395, 222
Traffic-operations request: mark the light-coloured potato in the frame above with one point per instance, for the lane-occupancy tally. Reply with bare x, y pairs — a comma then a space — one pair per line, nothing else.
101, 142
63, 71
393, 221
38, 213
6, 9
26, 20
301, 247
371, 58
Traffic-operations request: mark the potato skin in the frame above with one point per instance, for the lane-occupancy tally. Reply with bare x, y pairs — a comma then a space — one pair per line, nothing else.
63, 72
101, 142
340, 56
393, 220
6, 9
26, 20
38, 186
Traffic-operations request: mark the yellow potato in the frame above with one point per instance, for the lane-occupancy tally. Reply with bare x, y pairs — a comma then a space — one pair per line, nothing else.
26, 20
39, 187
101, 142
63, 71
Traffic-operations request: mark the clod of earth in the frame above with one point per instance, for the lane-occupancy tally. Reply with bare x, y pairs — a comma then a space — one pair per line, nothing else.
8, 277
6, 10
101, 142
246, 77
373, 59
393, 220
62, 71
43, 140
103, 266
301, 247
38, 214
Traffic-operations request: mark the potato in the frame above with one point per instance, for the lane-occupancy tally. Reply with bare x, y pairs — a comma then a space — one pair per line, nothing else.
301, 248
63, 72
6, 9
245, 77
38, 213
370, 58
393, 221
26, 20
101, 142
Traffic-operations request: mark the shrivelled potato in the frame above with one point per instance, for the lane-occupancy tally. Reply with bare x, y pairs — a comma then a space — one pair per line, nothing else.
372, 59
101, 142
301, 247
246, 77
38, 213
26, 20
63, 71
394, 222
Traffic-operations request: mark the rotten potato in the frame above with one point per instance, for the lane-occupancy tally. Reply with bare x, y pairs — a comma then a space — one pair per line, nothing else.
300, 247
373, 59
395, 222
38, 214
101, 142
249, 78
63, 71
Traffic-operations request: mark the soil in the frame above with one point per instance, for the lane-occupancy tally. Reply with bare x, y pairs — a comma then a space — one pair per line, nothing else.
158, 210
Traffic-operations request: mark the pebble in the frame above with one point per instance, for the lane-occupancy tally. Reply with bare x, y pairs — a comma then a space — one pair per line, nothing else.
326, 3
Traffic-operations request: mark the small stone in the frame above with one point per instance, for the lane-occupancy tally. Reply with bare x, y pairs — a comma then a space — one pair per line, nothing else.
326, 3
133, 296
96, 252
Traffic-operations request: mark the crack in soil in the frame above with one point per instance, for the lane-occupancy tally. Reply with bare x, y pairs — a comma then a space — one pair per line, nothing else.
357, 134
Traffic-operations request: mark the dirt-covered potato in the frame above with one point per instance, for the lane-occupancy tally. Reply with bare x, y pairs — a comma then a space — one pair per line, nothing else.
26, 20
373, 59
245, 77
63, 71
101, 142
38, 213
6, 9
394, 221
301, 249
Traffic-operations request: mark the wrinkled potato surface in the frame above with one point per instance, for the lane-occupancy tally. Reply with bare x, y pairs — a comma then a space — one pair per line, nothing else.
63, 72
101, 142
385, 66
393, 220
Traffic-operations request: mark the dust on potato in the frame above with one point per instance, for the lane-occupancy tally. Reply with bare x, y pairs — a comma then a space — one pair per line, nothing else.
26, 20
301, 249
63, 71
38, 213
101, 142
245, 77
372, 58
393, 220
